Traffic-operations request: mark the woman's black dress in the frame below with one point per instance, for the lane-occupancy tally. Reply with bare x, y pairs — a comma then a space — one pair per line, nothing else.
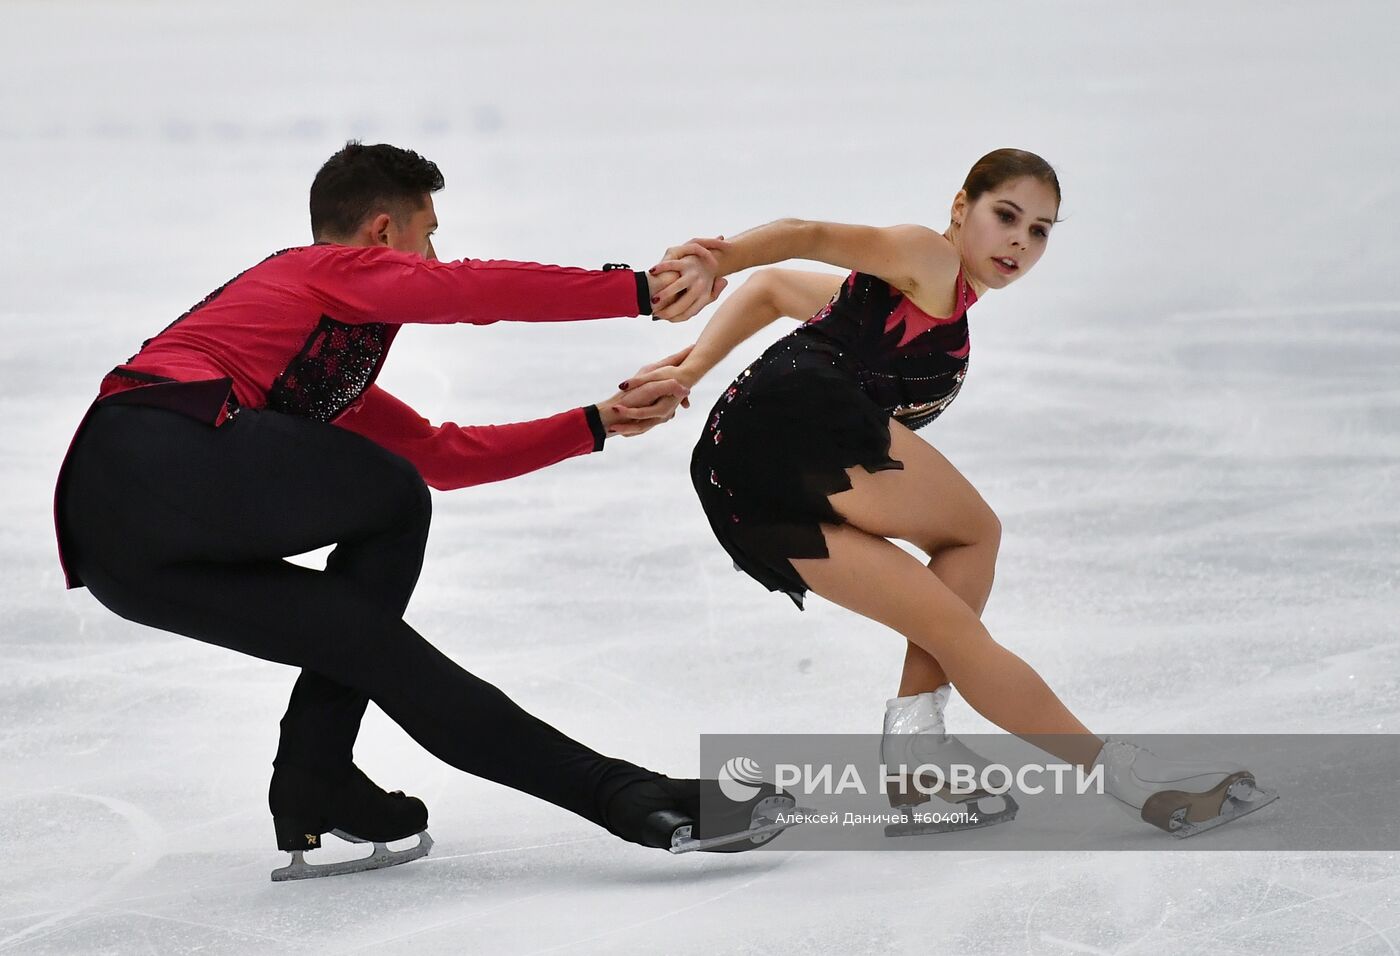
817, 402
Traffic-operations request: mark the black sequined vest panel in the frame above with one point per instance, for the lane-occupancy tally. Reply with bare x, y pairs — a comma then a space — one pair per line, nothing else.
337, 363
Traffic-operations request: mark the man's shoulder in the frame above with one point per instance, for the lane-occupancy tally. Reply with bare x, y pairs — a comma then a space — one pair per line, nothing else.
295, 259
357, 255
288, 255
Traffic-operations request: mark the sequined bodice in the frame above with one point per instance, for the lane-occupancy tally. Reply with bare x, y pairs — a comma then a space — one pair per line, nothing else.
335, 366
910, 363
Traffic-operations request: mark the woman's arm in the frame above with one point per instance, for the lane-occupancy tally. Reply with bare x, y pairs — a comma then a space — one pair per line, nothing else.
914, 259
801, 295
766, 295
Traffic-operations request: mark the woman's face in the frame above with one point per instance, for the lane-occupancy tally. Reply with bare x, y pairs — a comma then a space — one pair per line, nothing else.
1003, 234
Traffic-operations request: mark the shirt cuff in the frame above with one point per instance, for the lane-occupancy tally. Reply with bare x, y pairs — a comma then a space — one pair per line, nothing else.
643, 289
595, 425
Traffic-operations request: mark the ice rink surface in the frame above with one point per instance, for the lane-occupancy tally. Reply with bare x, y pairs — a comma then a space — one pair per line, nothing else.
1186, 419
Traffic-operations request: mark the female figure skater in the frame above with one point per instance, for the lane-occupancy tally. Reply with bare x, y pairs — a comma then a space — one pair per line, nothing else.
809, 463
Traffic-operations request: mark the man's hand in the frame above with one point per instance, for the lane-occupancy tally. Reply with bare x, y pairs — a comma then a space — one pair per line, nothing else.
642, 408
686, 280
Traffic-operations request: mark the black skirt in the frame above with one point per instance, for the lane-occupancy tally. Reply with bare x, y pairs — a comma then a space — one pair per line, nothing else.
776, 445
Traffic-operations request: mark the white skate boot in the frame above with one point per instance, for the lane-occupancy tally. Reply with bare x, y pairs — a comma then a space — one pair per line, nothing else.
1182, 798
914, 736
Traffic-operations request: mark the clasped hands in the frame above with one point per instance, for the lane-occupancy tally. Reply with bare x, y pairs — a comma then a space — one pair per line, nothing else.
684, 282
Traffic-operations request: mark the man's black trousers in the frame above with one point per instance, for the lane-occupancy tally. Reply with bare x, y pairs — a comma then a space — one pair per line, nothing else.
182, 526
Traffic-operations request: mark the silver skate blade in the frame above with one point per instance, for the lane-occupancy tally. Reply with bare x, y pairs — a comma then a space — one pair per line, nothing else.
978, 819
1239, 802
382, 856
763, 827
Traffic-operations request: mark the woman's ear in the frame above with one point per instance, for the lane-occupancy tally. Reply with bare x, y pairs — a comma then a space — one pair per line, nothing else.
959, 208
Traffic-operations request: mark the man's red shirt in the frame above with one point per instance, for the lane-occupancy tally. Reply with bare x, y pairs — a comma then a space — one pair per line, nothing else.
306, 332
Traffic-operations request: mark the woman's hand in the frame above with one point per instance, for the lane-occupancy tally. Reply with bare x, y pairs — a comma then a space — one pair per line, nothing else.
687, 279
703, 248
675, 359
671, 368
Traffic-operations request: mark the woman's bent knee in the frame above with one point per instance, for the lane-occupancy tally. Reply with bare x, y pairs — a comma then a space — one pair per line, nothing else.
977, 527
990, 535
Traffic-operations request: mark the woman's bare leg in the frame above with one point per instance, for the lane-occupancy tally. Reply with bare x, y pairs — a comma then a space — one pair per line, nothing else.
869, 575
933, 507
968, 571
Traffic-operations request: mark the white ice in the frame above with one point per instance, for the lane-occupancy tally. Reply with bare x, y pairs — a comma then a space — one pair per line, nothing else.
1186, 418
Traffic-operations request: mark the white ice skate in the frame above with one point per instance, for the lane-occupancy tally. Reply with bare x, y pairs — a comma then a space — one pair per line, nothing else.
1182, 798
914, 736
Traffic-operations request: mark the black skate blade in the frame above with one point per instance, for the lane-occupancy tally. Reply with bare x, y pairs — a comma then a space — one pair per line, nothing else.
763, 826
1239, 802
382, 856
978, 819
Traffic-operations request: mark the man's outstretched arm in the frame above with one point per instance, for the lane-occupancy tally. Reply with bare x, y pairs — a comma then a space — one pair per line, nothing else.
376, 284
452, 456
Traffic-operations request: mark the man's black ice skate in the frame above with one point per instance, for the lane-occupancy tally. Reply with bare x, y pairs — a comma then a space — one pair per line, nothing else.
687, 815
305, 806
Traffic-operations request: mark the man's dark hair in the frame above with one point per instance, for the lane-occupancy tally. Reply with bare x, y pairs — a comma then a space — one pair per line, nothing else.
360, 180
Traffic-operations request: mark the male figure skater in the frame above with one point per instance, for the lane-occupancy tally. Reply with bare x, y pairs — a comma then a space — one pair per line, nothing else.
252, 429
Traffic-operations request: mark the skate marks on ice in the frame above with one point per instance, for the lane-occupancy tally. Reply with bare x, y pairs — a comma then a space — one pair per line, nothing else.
659, 919
575, 895
1127, 904
636, 906
1233, 525
549, 894
106, 874
144, 833
1306, 903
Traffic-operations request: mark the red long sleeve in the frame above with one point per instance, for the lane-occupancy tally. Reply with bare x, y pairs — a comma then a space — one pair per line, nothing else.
265, 325
377, 284
452, 456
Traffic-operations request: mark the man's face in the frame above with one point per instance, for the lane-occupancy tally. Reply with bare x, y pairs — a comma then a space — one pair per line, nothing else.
415, 234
